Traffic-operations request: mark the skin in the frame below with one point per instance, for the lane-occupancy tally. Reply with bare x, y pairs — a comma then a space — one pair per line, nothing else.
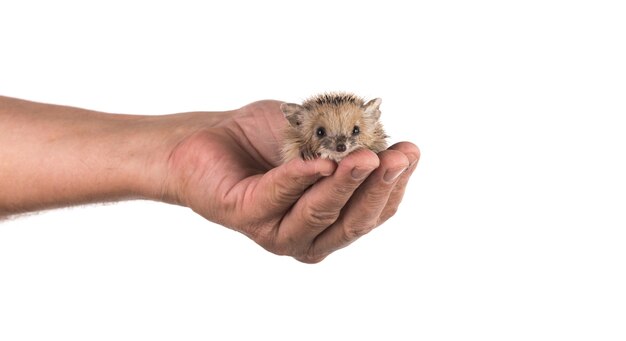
223, 165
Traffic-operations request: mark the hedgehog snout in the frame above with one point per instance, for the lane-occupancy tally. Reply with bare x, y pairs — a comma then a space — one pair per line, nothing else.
340, 143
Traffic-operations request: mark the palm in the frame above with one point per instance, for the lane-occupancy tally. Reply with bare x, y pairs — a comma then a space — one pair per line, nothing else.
227, 161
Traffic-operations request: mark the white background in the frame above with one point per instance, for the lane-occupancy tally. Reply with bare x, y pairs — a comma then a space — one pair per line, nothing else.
513, 227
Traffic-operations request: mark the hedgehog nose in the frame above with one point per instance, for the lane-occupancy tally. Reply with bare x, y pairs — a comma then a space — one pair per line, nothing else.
341, 147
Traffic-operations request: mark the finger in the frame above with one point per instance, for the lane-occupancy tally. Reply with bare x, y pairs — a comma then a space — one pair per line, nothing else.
362, 212
321, 205
412, 152
281, 187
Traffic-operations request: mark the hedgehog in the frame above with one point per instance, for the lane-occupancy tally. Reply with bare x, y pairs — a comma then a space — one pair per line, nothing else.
332, 125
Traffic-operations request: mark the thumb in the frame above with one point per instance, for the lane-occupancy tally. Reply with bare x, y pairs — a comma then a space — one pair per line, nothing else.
282, 186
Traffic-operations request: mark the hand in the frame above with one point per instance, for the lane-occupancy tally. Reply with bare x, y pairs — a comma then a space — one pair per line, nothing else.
230, 173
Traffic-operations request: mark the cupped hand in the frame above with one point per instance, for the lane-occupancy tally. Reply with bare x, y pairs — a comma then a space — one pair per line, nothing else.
230, 173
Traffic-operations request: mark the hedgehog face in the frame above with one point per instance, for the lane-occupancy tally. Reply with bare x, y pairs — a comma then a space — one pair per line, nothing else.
332, 126
335, 133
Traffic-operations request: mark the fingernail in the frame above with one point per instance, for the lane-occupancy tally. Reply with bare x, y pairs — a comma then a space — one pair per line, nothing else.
392, 174
360, 173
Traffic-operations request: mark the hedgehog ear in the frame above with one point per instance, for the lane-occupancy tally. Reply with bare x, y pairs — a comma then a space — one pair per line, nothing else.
372, 108
293, 113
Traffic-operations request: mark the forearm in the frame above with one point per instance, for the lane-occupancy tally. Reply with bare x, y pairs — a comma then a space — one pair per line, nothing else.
54, 156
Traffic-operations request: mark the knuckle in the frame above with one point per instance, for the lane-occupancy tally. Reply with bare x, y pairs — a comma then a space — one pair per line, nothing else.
344, 189
279, 248
318, 217
301, 182
282, 245
377, 198
388, 213
266, 237
311, 258
266, 242
279, 194
391, 211
355, 231
287, 247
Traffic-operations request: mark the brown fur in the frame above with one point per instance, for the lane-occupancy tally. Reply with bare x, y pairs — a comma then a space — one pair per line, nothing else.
338, 114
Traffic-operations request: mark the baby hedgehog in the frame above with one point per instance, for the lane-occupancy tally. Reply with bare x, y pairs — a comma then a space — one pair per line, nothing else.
331, 126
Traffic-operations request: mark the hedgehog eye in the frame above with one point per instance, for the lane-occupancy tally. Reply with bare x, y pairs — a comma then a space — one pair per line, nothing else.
356, 130
321, 132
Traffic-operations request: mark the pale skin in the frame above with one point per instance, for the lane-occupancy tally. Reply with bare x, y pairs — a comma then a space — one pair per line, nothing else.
225, 166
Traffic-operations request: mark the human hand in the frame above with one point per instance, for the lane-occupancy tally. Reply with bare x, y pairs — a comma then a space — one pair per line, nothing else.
230, 173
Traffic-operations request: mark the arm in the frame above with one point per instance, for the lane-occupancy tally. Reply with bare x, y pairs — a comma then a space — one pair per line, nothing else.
55, 156
223, 165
